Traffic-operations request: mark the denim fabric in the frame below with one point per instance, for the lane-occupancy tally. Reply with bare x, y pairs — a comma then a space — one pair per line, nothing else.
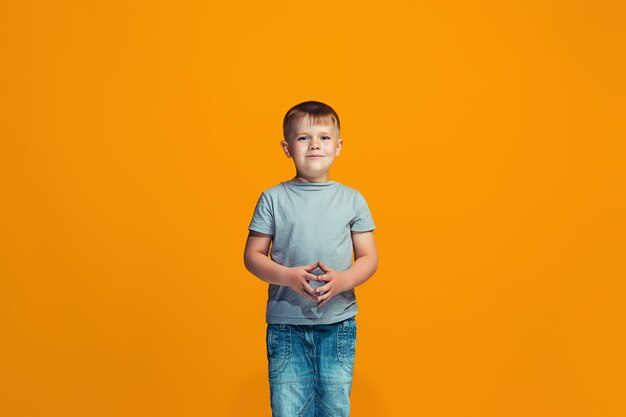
310, 368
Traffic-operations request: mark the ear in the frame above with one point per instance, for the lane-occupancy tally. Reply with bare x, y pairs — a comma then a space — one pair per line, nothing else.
285, 147
338, 150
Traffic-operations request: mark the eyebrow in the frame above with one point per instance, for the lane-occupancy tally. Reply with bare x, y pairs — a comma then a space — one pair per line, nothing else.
302, 133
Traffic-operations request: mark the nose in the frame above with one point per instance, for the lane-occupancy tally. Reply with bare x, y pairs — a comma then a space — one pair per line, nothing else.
314, 144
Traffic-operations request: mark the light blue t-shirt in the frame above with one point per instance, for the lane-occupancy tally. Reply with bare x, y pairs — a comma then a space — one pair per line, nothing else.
310, 222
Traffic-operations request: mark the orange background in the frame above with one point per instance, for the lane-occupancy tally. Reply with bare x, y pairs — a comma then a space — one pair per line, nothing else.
487, 138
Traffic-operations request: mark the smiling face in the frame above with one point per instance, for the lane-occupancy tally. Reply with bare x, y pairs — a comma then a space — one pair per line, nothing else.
313, 149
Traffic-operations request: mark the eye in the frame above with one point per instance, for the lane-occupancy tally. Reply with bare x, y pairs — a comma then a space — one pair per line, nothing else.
327, 137
302, 137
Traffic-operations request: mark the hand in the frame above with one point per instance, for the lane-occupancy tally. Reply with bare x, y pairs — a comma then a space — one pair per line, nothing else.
336, 283
298, 278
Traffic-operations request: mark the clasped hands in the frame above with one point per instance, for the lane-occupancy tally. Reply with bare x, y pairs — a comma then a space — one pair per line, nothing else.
299, 278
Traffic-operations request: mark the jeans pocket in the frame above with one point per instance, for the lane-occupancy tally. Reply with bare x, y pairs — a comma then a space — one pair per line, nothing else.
346, 344
278, 342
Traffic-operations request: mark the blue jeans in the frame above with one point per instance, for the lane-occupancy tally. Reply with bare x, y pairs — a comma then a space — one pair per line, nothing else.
310, 368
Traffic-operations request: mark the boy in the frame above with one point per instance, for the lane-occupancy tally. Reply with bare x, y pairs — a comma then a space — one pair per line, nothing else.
313, 224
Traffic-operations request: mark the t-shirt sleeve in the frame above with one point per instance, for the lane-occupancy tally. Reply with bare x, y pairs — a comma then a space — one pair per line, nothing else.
263, 217
362, 220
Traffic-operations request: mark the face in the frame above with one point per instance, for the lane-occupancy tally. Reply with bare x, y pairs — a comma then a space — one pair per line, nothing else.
313, 149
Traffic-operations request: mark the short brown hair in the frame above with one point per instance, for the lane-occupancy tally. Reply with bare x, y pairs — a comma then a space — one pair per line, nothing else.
314, 110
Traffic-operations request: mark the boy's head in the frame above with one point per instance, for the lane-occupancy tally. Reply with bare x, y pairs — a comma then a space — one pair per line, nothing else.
316, 111
311, 132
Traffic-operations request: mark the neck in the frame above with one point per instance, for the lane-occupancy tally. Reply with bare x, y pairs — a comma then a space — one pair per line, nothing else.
303, 178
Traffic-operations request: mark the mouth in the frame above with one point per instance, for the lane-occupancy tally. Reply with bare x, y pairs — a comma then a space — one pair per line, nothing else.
315, 156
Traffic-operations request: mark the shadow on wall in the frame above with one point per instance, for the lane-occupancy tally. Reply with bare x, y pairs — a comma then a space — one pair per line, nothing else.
253, 397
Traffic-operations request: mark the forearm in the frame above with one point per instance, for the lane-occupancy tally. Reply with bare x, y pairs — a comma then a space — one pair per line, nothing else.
264, 268
361, 270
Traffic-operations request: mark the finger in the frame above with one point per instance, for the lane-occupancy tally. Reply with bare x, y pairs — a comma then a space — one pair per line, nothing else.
308, 288
305, 294
322, 289
316, 277
323, 299
323, 266
311, 267
324, 277
308, 296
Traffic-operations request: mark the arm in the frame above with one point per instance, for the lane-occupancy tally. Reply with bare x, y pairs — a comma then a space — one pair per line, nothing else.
365, 259
256, 261
364, 266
